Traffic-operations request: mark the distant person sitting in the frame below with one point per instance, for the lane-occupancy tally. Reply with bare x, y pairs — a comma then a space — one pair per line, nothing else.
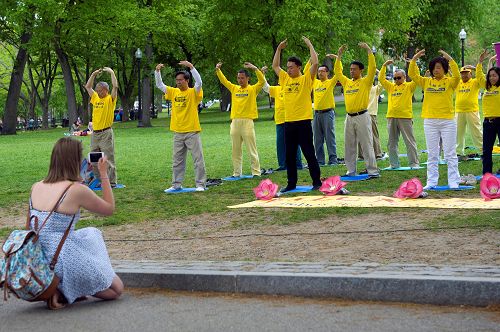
75, 127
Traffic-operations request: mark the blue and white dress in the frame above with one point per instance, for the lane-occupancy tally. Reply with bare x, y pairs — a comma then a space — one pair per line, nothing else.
83, 265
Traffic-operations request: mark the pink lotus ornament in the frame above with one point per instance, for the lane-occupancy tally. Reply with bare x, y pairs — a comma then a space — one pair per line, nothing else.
332, 185
266, 190
409, 189
489, 187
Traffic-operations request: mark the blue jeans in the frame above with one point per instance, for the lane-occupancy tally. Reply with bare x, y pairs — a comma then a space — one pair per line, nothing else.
281, 149
324, 132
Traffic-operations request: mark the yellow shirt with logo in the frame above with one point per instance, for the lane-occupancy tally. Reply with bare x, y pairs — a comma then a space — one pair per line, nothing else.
356, 92
296, 96
438, 94
491, 102
243, 100
279, 107
103, 111
466, 99
323, 93
184, 109
400, 103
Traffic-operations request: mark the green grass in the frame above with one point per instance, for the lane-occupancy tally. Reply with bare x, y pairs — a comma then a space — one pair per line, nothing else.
144, 163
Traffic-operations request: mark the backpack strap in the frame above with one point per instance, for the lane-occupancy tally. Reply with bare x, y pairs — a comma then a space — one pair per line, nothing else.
61, 243
59, 201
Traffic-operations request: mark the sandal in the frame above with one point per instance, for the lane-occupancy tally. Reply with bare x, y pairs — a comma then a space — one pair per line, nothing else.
54, 304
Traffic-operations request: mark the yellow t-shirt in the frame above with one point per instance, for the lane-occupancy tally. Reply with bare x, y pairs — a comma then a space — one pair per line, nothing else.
467, 93
296, 96
279, 107
243, 100
356, 93
184, 109
323, 93
491, 102
438, 94
103, 111
400, 103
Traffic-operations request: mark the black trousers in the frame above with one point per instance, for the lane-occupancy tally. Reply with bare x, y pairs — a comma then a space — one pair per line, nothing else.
299, 133
491, 130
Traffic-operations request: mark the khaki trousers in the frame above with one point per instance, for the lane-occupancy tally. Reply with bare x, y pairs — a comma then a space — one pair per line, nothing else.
358, 129
472, 122
184, 142
376, 140
104, 141
395, 127
242, 131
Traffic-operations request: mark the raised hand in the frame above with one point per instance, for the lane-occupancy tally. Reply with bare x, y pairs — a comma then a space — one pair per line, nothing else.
332, 56
365, 46
159, 66
186, 64
264, 69
419, 54
307, 41
483, 55
282, 45
388, 62
445, 55
249, 66
341, 50
218, 65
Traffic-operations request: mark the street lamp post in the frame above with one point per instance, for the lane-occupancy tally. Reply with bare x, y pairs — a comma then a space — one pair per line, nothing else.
138, 56
462, 35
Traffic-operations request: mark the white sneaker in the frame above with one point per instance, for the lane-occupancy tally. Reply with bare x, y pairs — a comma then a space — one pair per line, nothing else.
172, 189
427, 187
200, 189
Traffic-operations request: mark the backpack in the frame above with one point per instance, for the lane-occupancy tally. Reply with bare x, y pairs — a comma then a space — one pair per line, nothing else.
25, 270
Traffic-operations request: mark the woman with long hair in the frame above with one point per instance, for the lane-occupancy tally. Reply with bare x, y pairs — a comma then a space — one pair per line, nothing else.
83, 267
491, 113
439, 115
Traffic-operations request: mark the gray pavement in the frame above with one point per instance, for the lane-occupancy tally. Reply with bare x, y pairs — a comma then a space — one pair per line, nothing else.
159, 310
414, 283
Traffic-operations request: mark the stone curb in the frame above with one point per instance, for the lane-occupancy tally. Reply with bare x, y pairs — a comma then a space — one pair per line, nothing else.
415, 283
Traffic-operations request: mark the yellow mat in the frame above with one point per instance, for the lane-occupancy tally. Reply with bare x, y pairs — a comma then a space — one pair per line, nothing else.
372, 201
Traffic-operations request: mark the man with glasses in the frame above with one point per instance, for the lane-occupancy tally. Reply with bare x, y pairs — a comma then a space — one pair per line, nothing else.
400, 115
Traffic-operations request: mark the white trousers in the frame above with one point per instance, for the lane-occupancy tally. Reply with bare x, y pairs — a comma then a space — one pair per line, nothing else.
446, 130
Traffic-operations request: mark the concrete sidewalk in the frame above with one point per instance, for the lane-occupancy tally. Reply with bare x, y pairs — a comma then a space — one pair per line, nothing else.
415, 283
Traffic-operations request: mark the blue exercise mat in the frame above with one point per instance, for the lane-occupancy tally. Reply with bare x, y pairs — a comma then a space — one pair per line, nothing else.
179, 191
118, 186
444, 188
480, 177
404, 168
359, 177
298, 189
241, 177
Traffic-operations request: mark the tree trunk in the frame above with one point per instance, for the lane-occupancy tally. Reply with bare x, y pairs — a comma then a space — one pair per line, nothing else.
225, 100
146, 85
69, 83
16, 81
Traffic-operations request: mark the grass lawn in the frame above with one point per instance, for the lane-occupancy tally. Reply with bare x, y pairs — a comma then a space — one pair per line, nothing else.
144, 162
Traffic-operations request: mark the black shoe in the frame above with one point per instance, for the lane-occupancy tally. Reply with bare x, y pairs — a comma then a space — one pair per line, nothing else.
343, 191
373, 176
287, 188
213, 182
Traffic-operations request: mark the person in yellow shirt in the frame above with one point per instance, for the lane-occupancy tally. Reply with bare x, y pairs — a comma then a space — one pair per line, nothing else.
276, 93
467, 106
298, 112
185, 124
491, 113
324, 116
103, 112
438, 114
243, 113
358, 127
400, 115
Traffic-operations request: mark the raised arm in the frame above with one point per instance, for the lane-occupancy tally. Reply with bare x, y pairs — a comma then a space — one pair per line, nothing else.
90, 82
194, 73
491, 61
159, 82
266, 86
455, 71
381, 76
277, 57
260, 77
114, 82
314, 57
413, 71
337, 68
221, 76
372, 66
90, 201
481, 78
